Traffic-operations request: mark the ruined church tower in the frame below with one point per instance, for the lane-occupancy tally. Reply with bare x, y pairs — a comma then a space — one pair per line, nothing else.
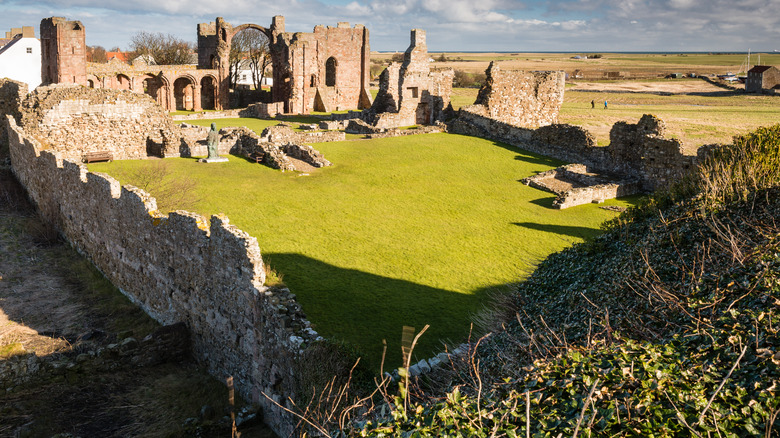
63, 52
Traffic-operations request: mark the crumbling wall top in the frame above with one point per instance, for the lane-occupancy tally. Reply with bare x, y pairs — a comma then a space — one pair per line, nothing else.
521, 98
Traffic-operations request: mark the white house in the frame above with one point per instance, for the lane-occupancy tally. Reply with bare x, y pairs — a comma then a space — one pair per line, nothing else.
20, 56
245, 75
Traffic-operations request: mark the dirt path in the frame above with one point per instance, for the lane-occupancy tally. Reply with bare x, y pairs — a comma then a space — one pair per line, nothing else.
671, 86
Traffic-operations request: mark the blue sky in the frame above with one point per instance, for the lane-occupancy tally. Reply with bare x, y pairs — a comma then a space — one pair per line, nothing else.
481, 25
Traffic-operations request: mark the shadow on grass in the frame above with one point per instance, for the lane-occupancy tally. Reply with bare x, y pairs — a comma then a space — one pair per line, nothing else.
574, 231
363, 308
633, 200
545, 202
530, 157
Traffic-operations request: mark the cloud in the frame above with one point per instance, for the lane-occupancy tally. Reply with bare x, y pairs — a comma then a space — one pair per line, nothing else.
495, 25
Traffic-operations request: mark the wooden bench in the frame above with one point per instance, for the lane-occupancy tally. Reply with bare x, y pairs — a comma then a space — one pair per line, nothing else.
90, 157
258, 157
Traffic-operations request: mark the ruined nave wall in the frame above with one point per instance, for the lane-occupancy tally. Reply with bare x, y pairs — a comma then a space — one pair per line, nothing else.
179, 267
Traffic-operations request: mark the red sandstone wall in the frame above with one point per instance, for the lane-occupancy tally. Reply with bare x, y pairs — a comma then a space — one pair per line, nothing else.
63, 52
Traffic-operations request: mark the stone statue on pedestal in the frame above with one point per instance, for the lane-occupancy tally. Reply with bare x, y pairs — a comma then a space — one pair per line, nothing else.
213, 142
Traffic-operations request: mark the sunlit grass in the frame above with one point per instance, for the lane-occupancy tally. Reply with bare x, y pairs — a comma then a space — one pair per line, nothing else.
400, 231
694, 119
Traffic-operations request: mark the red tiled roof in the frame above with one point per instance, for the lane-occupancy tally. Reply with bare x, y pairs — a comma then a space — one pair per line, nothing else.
121, 56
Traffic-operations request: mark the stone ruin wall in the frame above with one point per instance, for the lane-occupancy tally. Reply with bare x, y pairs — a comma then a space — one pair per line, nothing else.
573, 185
521, 108
276, 143
520, 98
299, 63
636, 150
74, 120
63, 52
411, 93
159, 82
12, 94
178, 267
308, 57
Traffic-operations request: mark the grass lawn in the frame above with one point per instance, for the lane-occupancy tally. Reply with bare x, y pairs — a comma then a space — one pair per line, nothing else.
256, 125
694, 119
400, 231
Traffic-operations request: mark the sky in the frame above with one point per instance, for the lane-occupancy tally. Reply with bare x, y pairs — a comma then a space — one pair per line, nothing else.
451, 25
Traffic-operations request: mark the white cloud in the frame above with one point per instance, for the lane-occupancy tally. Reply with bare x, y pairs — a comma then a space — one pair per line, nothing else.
603, 25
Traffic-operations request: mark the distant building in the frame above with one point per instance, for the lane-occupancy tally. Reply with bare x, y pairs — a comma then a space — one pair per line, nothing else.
119, 56
762, 77
244, 75
20, 56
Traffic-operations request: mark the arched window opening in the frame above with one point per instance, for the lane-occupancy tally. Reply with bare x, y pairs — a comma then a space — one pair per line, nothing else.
123, 82
330, 72
208, 93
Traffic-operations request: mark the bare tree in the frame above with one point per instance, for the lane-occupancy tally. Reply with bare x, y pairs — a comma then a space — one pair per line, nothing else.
164, 49
96, 54
249, 48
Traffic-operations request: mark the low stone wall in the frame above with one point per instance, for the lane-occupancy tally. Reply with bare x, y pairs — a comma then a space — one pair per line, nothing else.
636, 150
256, 110
179, 267
224, 114
243, 141
265, 110
395, 132
360, 127
596, 193
574, 185
306, 154
74, 120
283, 133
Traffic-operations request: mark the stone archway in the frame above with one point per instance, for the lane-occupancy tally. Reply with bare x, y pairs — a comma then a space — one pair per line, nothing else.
225, 33
164, 94
331, 66
184, 93
150, 85
123, 82
208, 93
93, 81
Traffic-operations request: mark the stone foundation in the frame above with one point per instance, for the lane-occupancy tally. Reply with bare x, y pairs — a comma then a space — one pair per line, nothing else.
286, 134
575, 185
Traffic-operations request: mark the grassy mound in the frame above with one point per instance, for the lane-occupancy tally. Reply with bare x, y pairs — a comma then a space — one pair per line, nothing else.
666, 325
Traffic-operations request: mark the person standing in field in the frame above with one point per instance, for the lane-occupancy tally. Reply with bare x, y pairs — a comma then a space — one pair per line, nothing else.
605, 104
593, 104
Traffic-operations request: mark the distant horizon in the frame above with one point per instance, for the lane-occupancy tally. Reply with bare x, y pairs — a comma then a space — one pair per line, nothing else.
500, 26
588, 52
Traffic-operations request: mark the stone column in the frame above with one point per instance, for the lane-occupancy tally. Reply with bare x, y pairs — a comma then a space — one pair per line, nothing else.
196, 106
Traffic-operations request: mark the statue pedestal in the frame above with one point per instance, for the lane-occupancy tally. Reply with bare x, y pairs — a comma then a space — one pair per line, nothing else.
213, 160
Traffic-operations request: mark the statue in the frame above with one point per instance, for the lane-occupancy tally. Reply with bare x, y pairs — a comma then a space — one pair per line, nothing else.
213, 142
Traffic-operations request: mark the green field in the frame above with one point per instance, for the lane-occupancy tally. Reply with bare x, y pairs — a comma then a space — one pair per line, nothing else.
400, 231
694, 119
